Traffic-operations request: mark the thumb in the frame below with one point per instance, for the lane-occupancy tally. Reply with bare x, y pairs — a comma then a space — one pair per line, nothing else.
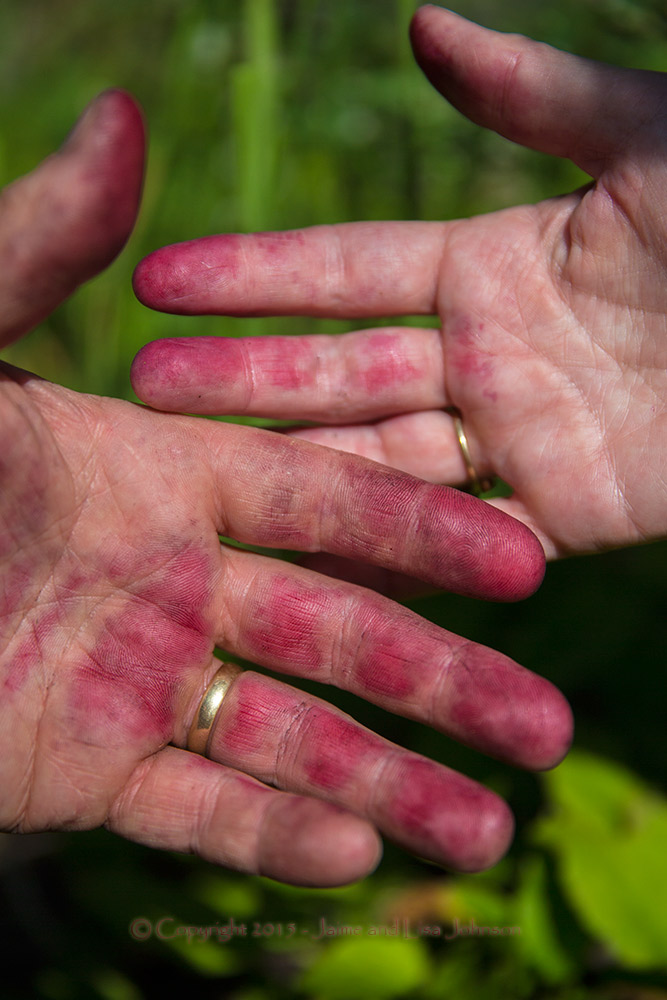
539, 97
67, 220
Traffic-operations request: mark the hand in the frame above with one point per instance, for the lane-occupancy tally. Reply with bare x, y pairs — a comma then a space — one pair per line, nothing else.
114, 590
553, 316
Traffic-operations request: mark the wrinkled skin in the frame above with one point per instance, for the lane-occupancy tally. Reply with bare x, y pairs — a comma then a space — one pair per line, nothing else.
114, 590
552, 339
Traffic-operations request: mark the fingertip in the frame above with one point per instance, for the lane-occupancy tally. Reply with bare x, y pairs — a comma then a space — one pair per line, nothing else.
169, 374
556, 733
335, 847
493, 837
506, 711
447, 817
142, 373
425, 30
148, 281
179, 374
490, 555
116, 114
175, 278
522, 570
109, 140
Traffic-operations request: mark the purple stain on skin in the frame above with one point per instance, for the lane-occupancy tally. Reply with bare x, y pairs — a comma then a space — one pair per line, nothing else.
252, 726
146, 647
337, 749
507, 711
15, 584
286, 626
181, 277
382, 364
195, 277
449, 539
30, 652
468, 356
186, 373
448, 816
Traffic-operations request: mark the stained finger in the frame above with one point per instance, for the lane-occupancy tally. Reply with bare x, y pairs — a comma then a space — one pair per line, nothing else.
347, 270
283, 493
69, 218
357, 376
179, 801
538, 96
291, 620
297, 742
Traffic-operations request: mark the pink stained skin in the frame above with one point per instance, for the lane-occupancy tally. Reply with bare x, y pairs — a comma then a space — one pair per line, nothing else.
296, 739
396, 659
446, 538
418, 808
30, 650
315, 748
103, 154
470, 358
115, 588
551, 338
247, 371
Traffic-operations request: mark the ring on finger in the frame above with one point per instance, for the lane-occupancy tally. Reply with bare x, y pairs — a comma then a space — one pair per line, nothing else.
475, 484
199, 735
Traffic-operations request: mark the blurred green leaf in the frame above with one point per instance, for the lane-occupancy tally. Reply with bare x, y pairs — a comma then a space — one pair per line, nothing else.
230, 897
469, 899
608, 832
113, 985
466, 972
357, 968
538, 942
208, 958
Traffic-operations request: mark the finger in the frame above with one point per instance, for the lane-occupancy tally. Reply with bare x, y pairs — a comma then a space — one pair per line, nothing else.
356, 376
516, 507
347, 270
179, 801
288, 619
421, 444
297, 742
69, 218
278, 492
534, 94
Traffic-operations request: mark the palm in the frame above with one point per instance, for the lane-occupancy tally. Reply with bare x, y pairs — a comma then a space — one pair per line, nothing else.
106, 627
552, 367
552, 341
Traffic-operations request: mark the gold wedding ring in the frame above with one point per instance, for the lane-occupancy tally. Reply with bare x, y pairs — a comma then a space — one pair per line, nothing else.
475, 485
200, 730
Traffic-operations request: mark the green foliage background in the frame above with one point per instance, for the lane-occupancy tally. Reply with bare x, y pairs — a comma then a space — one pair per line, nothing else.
283, 113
